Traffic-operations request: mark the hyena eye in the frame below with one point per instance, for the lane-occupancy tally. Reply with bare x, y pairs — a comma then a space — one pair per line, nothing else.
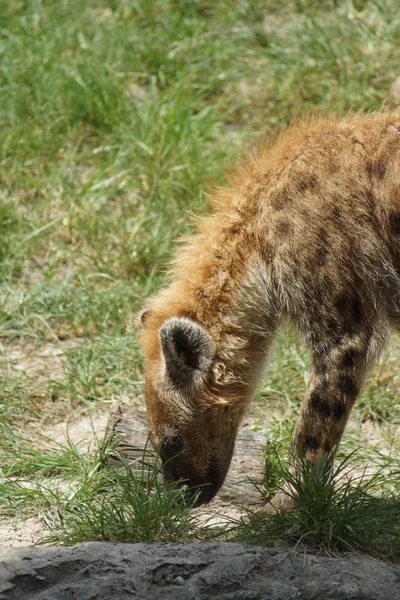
171, 446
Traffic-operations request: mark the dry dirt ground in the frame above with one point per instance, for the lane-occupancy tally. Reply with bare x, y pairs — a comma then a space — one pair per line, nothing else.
17, 533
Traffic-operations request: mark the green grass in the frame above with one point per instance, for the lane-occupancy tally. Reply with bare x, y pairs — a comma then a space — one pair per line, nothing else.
80, 497
333, 512
115, 117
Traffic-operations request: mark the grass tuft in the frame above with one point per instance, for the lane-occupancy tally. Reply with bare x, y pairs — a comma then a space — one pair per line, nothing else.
131, 507
80, 497
333, 511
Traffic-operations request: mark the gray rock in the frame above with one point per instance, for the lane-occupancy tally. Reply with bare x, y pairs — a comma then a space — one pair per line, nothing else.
195, 571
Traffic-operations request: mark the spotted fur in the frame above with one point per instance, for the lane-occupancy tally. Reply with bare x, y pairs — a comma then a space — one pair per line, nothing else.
308, 231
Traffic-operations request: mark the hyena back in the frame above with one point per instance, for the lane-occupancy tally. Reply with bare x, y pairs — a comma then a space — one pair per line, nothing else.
308, 231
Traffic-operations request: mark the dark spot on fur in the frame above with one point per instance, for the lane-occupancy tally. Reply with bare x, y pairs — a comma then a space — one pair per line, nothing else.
319, 405
356, 307
234, 229
347, 381
376, 169
311, 443
350, 308
348, 385
280, 200
341, 303
349, 359
284, 228
394, 222
307, 183
339, 409
327, 447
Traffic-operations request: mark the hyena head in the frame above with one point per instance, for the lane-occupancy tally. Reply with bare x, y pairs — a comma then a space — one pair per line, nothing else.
190, 425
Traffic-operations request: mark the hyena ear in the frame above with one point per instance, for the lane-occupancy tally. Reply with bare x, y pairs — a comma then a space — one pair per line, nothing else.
187, 351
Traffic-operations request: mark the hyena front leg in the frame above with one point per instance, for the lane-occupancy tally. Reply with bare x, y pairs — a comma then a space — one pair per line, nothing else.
336, 378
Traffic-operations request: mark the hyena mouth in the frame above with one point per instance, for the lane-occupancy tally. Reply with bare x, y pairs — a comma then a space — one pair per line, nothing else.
204, 488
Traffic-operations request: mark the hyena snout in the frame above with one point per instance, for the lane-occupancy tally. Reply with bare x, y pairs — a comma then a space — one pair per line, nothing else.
204, 485
202, 475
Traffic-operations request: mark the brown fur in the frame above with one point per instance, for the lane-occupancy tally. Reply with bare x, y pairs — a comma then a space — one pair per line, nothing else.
308, 231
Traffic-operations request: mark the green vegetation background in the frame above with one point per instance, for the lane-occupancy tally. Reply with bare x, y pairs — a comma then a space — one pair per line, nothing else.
115, 118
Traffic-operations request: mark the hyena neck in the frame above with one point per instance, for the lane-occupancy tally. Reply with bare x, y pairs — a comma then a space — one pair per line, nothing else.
247, 330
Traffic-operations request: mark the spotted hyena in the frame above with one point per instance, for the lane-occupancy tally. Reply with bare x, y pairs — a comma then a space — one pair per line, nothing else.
308, 231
